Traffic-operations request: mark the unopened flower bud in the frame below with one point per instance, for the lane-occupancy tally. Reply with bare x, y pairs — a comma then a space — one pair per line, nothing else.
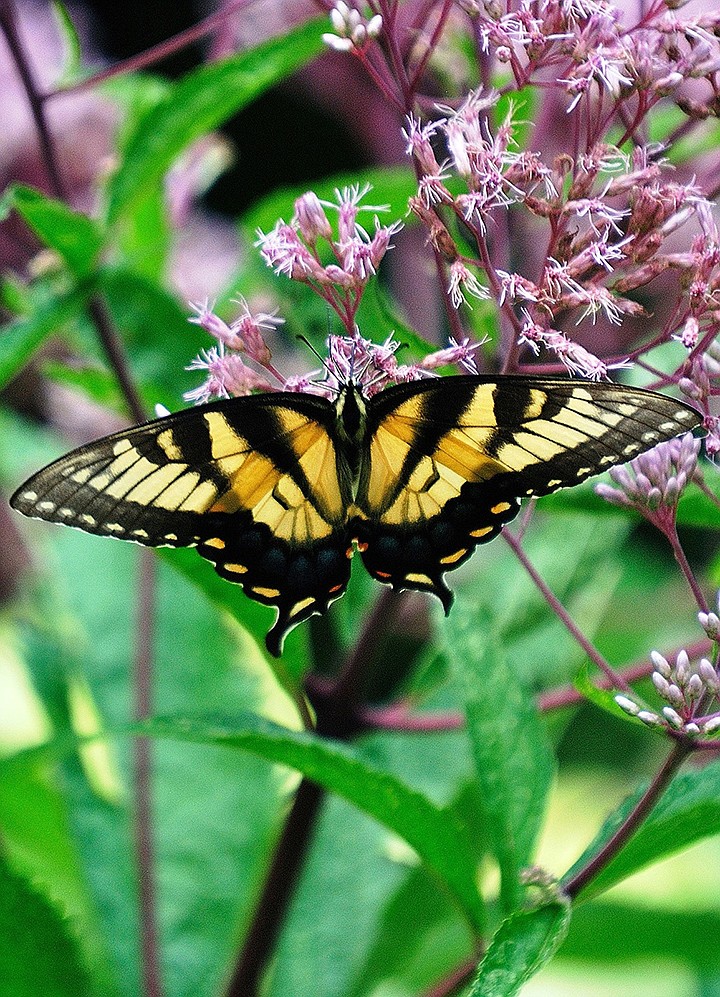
662, 665
708, 674
711, 726
710, 624
651, 719
627, 705
695, 688
311, 218
675, 695
672, 717
682, 666
661, 684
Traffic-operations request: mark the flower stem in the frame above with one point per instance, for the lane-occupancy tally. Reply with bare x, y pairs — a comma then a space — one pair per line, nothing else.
680, 751
557, 607
142, 824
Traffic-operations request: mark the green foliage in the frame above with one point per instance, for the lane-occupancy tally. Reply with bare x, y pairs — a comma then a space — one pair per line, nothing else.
513, 762
521, 946
41, 957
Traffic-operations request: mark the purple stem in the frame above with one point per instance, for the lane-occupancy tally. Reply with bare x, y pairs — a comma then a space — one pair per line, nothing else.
152, 986
616, 680
680, 751
156, 53
144, 851
9, 25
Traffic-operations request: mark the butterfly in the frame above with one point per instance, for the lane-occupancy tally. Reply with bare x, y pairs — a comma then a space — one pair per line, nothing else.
278, 490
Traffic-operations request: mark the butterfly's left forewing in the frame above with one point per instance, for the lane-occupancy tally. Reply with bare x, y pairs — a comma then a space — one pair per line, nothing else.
256, 484
447, 461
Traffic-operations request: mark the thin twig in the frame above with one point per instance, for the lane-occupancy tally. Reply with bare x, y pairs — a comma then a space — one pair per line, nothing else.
143, 820
557, 607
154, 54
9, 25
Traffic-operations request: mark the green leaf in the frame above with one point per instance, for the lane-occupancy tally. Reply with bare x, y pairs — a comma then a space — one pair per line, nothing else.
98, 384
522, 945
199, 102
215, 814
513, 762
688, 811
74, 236
159, 339
435, 834
71, 44
38, 953
255, 619
21, 338
604, 699
607, 932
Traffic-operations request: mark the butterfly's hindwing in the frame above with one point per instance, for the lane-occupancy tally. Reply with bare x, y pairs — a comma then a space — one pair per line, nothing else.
256, 484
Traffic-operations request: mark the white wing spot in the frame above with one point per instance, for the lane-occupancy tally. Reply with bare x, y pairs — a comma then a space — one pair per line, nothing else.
66, 513
666, 427
555, 483
113, 527
171, 536
609, 458
649, 436
632, 448
29, 496
584, 470
121, 446
87, 518
143, 534
45, 506
682, 415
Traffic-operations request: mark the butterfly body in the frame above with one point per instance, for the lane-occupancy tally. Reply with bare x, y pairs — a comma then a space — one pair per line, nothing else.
278, 490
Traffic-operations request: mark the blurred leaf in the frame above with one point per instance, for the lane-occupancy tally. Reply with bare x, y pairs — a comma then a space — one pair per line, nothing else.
420, 939
513, 762
688, 811
214, 814
159, 339
378, 317
250, 615
21, 338
38, 844
71, 44
38, 953
199, 102
405, 925
74, 236
435, 834
605, 932
99, 385
522, 945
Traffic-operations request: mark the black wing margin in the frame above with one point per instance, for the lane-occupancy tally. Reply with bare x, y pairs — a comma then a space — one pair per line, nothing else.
449, 460
255, 484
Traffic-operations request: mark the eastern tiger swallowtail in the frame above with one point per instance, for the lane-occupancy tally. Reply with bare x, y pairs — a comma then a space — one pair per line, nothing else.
278, 490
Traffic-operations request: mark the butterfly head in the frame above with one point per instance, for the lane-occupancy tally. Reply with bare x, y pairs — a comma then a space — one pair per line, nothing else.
351, 411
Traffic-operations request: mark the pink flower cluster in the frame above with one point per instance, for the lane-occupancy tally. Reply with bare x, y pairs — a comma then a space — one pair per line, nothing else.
296, 249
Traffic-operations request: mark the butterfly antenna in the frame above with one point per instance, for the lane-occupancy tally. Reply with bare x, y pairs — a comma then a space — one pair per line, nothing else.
324, 361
